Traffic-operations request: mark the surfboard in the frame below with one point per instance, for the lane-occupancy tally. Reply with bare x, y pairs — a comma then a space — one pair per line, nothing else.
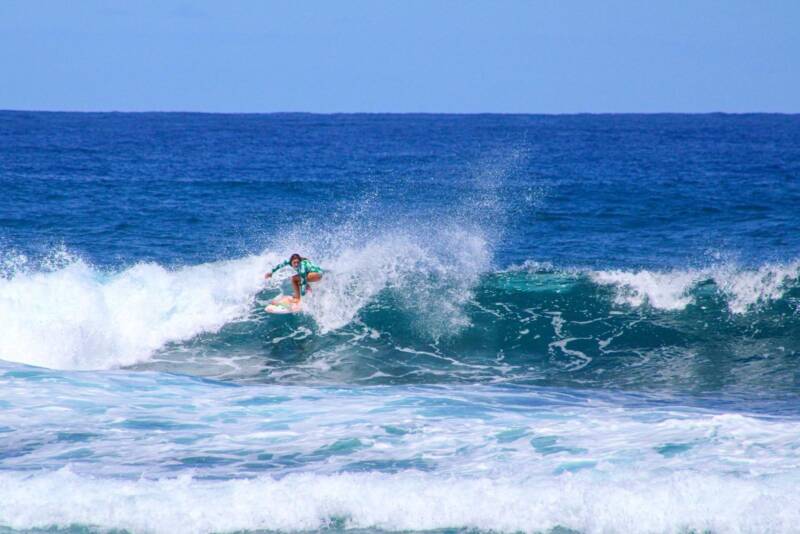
282, 304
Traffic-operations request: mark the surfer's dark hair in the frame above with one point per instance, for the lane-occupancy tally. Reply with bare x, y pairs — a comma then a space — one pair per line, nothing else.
297, 257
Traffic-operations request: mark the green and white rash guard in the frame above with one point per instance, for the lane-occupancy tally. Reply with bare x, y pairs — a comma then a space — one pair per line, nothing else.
306, 266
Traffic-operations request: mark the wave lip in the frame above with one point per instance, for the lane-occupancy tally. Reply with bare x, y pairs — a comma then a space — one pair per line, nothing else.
667, 291
744, 289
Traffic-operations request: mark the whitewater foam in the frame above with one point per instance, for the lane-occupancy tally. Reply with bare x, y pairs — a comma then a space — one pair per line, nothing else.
676, 502
153, 452
747, 289
78, 317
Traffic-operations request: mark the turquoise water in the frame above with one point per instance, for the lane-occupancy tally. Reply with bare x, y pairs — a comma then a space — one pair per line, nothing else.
527, 323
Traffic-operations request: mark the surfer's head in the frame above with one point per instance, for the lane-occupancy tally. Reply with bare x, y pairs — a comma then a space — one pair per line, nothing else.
295, 259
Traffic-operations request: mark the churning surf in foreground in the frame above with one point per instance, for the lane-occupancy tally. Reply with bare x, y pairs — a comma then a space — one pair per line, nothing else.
526, 324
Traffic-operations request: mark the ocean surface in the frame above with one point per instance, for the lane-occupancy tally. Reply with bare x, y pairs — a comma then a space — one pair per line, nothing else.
585, 323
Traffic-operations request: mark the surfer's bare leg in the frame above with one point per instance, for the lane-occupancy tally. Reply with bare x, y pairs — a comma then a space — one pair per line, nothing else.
296, 286
312, 277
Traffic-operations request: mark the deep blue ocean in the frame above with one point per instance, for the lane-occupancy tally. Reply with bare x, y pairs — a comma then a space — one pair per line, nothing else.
585, 323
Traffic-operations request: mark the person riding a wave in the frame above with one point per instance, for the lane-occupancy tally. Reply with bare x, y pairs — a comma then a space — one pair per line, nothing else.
306, 270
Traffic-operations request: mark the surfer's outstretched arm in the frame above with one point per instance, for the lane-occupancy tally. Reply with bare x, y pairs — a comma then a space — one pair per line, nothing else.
281, 265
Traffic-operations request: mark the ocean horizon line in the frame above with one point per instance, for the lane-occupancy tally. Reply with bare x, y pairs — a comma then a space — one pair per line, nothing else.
406, 113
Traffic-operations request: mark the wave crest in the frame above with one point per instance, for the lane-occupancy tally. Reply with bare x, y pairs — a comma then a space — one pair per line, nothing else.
744, 289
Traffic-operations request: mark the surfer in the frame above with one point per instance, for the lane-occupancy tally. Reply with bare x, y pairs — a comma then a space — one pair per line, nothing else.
306, 270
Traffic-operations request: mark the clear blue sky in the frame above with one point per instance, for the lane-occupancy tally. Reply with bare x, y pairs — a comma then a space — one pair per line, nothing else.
401, 56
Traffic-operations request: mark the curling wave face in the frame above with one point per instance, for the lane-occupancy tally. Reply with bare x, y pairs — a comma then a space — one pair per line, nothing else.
394, 312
